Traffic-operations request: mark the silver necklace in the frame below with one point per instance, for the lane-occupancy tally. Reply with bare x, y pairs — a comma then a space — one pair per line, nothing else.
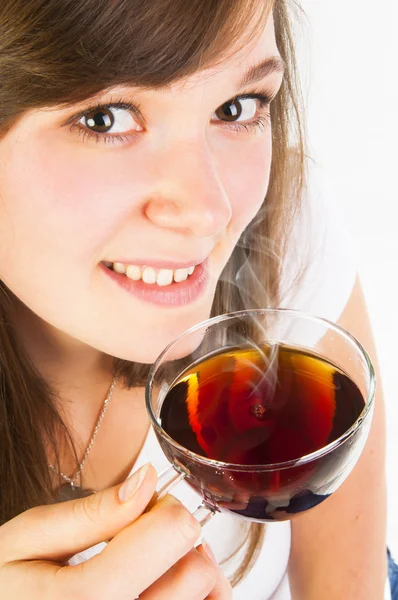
71, 489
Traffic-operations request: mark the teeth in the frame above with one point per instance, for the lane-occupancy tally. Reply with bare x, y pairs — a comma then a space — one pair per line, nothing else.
133, 272
180, 275
161, 277
149, 275
119, 267
164, 277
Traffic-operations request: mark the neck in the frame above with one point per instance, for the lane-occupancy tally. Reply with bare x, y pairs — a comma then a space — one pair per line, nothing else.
80, 377
70, 366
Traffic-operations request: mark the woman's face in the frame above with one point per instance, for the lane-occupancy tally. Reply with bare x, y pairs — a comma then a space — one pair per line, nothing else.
156, 181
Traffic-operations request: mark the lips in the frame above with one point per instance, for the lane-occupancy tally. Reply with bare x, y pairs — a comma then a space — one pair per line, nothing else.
161, 286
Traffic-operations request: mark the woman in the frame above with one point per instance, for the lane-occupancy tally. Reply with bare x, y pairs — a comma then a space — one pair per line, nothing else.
134, 162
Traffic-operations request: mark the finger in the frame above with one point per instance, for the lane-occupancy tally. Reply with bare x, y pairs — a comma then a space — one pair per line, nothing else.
137, 556
59, 531
222, 589
193, 577
31, 579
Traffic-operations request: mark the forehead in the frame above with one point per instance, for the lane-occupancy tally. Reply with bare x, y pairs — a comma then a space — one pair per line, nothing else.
260, 47
239, 58
250, 50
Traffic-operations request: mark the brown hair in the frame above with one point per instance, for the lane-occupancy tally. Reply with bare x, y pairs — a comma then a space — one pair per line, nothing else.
64, 51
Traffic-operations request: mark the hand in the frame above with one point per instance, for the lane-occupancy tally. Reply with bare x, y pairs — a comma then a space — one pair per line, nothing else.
195, 576
150, 554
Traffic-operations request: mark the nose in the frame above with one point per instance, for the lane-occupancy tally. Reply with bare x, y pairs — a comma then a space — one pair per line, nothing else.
188, 194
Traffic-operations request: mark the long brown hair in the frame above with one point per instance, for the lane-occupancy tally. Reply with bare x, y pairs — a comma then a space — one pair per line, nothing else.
56, 52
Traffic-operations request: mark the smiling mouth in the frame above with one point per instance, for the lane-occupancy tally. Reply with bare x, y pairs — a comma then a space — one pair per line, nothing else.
151, 275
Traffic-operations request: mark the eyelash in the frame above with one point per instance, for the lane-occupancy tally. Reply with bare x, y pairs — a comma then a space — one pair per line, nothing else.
259, 124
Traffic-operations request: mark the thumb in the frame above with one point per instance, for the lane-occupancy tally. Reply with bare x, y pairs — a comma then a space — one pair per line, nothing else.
58, 531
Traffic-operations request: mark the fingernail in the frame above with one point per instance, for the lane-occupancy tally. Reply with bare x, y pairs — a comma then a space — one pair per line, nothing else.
132, 483
209, 552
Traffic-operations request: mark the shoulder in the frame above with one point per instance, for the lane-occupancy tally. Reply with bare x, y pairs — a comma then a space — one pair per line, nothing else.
320, 264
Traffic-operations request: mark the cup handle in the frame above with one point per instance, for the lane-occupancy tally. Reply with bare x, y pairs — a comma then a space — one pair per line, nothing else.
203, 514
167, 480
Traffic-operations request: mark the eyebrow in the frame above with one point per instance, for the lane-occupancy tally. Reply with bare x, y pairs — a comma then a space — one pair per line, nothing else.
273, 64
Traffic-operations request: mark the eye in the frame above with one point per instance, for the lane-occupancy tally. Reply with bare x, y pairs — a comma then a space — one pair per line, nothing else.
109, 120
239, 109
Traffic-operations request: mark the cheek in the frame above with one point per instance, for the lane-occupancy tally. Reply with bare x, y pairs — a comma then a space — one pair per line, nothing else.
58, 210
245, 176
64, 200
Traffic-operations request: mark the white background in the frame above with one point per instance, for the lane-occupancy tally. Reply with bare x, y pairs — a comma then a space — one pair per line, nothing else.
350, 57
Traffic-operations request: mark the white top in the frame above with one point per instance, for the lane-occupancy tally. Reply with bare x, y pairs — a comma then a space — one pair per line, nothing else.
320, 241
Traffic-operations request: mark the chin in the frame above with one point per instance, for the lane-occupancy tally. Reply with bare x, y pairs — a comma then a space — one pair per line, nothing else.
148, 344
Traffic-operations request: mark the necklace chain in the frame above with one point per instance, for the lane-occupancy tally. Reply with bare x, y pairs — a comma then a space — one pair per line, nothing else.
72, 480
